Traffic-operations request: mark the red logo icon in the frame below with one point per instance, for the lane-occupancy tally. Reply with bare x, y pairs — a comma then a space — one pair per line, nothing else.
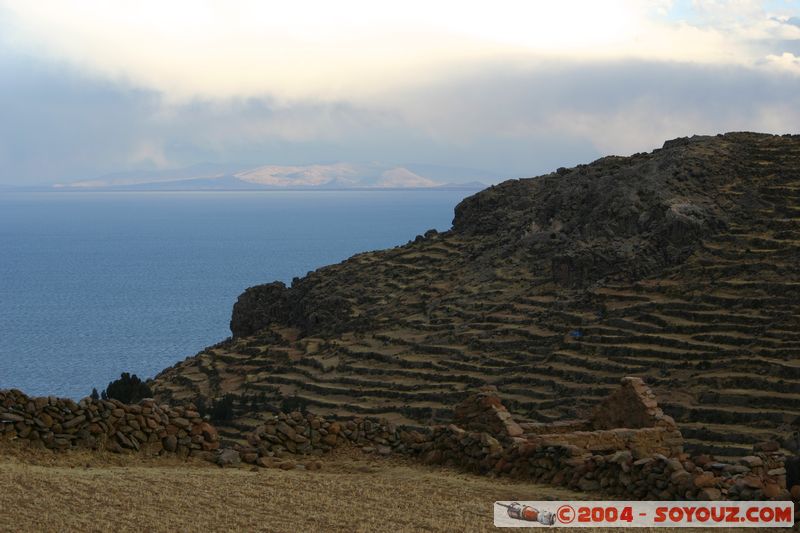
565, 514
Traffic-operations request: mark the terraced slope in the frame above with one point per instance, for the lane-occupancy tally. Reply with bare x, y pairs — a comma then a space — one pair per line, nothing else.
680, 266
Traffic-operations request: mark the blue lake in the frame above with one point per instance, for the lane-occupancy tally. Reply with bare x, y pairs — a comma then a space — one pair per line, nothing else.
93, 284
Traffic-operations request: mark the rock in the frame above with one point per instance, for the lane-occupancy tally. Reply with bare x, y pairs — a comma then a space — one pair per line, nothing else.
767, 446
588, 485
752, 482
736, 469
209, 432
227, 457
706, 479
249, 458
266, 462
751, 461
622, 456
287, 465
702, 460
46, 419
681, 477
772, 490
284, 428
181, 423
124, 441
709, 494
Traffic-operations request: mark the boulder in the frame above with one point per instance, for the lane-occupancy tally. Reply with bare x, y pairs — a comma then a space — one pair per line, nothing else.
227, 457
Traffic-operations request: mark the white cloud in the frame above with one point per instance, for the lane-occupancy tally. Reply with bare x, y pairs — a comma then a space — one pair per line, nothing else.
786, 62
517, 86
359, 49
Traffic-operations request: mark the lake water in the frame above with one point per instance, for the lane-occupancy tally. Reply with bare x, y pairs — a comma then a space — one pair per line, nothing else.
93, 284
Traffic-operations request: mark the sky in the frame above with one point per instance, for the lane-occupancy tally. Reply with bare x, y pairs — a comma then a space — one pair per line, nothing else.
513, 87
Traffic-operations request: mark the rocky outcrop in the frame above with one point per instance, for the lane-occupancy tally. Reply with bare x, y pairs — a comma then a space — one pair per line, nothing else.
617, 215
61, 424
258, 307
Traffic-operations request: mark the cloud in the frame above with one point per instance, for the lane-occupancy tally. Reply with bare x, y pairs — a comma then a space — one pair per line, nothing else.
514, 117
358, 49
519, 88
617, 106
787, 62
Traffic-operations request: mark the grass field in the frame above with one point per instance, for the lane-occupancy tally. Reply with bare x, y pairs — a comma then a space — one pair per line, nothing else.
81, 491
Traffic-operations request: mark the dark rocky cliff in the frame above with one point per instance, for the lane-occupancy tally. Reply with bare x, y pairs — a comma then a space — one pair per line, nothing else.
680, 265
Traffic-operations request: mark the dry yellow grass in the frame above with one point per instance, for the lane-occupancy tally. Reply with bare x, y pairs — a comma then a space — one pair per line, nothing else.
81, 491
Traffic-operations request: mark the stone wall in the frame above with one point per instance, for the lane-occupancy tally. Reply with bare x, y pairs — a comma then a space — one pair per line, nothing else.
292, 434
60, 424
654, 476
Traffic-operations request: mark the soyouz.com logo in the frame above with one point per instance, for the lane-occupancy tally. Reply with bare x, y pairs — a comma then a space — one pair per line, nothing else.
643, 514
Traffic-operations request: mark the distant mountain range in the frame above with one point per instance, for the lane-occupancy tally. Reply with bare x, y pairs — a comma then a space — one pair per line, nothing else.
303, 177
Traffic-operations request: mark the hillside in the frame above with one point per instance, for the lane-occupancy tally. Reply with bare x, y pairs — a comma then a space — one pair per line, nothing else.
680, 266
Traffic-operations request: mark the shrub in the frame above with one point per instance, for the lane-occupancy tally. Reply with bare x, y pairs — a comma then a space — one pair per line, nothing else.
294, 403
222, 410
127, 389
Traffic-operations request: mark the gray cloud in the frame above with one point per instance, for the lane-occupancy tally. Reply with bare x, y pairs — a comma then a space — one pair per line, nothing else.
512, 117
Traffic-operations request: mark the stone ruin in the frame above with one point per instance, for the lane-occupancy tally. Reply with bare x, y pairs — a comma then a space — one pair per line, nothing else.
628, 447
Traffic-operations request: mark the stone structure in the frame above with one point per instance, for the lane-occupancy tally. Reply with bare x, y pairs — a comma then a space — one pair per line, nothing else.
627, 447
60, 424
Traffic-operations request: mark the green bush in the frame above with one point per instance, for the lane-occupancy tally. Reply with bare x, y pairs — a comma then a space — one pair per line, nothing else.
127, 389
222, 410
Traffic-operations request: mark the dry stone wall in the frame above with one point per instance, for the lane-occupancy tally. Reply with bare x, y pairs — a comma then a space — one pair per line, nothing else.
60, 424
296, 433
654, 476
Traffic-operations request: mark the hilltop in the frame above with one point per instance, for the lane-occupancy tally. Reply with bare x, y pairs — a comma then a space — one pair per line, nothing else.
679, 266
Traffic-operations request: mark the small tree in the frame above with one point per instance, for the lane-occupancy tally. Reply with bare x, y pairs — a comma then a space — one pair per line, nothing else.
294, 403
94, 395
222, 409
200, 405
127, 389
